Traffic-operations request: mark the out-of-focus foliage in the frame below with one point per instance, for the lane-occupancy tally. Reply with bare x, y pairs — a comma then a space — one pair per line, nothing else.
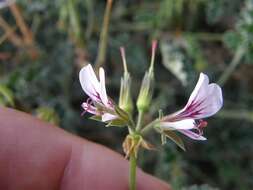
47, 114
241, 36
201, 187
194, 36
173, 59
6, 96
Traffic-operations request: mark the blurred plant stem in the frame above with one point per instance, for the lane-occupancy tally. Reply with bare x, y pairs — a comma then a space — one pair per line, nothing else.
26, 41
236, 114
90, 18
132, 173
9, 33
26, 32
104, 36
75, 24
232, 66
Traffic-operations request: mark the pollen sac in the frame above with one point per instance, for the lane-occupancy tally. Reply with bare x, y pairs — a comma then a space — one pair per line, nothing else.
146, 92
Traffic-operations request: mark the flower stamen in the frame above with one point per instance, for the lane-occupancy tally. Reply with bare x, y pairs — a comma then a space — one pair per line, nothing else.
88, 107
200, 126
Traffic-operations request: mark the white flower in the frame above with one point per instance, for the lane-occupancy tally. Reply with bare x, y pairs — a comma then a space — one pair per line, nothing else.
98, 102
205, 100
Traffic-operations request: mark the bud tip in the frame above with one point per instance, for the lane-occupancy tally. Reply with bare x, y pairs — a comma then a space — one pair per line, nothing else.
154, 46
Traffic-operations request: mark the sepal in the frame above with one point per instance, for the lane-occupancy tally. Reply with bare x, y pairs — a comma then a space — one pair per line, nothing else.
133, 142
116, 123
175, 138
96, 117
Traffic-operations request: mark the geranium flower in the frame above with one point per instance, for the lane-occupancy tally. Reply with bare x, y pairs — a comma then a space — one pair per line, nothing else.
98, 102
205, 100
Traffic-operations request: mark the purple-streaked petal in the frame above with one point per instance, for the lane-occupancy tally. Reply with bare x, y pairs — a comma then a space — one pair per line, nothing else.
205, 100
192, 135
103, 94
183, 124
108, 117
212, 103
89, 82
200, 89
89, 108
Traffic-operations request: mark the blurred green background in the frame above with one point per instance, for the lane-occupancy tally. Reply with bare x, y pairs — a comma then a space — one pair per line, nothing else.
44, 43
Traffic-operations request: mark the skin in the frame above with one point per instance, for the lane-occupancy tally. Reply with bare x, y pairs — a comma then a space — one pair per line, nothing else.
37, 155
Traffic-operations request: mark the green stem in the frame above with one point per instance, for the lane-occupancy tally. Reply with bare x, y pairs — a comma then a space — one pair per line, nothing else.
149, 126
132, 173
232, 66
139, 121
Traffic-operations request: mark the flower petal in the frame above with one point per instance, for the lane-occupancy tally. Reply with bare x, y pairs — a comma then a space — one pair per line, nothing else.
212, 103
103, 94
183, 124
205, 100
108, 117
89, 82
199, 91
192, 135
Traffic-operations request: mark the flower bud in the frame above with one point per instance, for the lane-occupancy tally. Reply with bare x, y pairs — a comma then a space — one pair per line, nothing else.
125, 100
146, 92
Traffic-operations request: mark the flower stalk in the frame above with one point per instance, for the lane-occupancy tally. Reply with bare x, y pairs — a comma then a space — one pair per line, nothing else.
149, 126
132, 172
139, 120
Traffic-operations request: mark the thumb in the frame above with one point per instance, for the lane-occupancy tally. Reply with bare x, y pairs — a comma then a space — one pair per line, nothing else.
36, 155
93, 166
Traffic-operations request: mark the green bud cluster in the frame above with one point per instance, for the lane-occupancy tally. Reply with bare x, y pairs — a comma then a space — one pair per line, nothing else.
145, 95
